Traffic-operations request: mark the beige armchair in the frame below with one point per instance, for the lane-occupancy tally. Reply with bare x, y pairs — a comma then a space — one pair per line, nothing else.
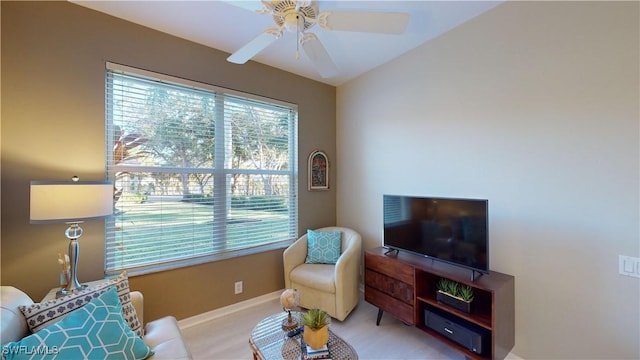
333, 288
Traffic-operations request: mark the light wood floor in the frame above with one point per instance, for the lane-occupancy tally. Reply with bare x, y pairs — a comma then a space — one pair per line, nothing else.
227, 337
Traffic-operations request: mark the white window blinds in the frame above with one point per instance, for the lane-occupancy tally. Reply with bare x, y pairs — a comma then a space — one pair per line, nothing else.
200, 172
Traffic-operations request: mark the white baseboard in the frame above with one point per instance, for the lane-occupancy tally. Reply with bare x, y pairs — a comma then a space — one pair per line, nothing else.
214, 314
512, 356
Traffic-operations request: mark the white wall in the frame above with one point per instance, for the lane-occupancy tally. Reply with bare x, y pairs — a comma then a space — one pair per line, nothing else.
533, 106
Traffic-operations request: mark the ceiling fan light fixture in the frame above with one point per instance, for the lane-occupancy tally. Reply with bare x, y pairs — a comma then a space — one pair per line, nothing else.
293, 22
300, 15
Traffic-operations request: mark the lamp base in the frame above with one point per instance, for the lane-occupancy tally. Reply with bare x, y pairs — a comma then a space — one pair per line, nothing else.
64, 291
73, 233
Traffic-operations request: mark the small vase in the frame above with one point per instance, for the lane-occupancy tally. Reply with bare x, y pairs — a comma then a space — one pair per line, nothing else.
316, 338
63, 279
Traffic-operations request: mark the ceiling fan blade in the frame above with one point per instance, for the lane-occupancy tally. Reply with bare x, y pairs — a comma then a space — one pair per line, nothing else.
374, 22
318, 55
256, 45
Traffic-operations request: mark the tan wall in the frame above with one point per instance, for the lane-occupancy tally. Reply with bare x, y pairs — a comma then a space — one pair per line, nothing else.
53, 64
534, 106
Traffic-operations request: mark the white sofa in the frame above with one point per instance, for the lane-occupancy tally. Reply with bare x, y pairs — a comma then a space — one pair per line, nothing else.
163, 336
333, 288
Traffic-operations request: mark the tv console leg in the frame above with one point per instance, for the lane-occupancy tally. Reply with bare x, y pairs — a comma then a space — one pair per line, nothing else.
380, 311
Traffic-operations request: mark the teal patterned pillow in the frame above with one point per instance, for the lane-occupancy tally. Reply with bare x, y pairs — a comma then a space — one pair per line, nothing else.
41, 315
94, 331
323, 247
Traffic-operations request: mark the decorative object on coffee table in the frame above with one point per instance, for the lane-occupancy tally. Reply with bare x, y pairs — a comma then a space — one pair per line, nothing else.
289, 299
455, 295
268, 343
316, 328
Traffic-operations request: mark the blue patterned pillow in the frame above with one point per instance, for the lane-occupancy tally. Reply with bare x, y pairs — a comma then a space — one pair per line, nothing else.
94, 331
323, 247
41, 315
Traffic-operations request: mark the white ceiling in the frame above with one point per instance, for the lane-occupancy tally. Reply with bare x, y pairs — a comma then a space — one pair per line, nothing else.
228, 25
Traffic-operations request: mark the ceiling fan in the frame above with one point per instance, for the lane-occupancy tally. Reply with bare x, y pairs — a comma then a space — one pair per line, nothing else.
297, 16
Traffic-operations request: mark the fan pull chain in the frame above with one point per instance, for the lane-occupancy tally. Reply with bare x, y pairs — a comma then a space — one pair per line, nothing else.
298, 37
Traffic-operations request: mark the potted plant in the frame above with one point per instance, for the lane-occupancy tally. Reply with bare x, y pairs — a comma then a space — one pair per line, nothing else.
455, 295
316, 328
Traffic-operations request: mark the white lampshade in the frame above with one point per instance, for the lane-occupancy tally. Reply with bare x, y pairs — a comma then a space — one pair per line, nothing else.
69, 201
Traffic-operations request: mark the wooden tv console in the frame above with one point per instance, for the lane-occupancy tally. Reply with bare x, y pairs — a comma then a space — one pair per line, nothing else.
405, 285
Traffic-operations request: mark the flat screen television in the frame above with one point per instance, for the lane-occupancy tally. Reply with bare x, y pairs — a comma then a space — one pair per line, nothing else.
446, 229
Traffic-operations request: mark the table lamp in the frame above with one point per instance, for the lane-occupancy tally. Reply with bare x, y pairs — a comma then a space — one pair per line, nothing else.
72, 202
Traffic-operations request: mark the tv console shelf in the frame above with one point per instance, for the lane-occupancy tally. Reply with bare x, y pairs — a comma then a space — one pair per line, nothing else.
405, 286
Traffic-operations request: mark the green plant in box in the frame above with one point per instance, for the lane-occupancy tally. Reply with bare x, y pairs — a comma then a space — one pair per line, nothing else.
449, 286
455, 294
453, 288
443, 284
466, 293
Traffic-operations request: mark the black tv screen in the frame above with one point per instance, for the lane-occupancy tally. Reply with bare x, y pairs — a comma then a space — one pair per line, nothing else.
446, 229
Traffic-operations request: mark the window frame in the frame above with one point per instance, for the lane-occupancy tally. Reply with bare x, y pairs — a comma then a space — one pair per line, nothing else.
219, 171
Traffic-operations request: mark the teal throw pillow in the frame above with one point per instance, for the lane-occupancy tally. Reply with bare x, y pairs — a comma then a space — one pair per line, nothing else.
41, 315
323, 247
95, 331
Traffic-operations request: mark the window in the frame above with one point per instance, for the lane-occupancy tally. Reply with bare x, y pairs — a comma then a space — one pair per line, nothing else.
200, 172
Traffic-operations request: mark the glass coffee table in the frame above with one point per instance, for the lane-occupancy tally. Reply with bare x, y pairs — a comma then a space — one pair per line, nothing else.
269, 342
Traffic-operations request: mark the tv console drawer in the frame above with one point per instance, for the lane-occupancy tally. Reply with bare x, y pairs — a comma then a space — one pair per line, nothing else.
396, 289
397, 308
390, 267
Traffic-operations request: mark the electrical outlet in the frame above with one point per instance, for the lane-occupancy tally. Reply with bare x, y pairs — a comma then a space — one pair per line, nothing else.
628, 265
238, 287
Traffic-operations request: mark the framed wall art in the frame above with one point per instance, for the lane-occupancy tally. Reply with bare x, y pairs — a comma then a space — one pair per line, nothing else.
318, 171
